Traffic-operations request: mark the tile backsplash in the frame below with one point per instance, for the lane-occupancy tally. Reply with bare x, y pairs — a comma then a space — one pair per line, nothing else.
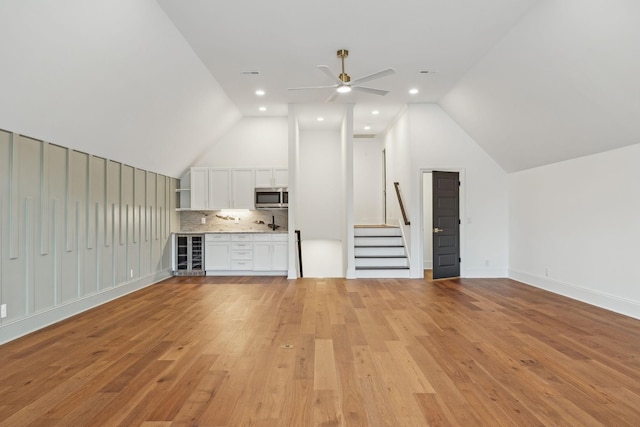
230, 220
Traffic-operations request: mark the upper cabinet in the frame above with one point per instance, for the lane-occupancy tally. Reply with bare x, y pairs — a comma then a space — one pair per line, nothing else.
272, 177
242, 188
225, 188
219, 189
199, 188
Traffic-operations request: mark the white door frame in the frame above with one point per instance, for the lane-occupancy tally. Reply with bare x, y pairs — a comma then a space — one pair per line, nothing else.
417, 234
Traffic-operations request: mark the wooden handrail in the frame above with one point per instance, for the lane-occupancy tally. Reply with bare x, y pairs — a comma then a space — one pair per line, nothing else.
404, 214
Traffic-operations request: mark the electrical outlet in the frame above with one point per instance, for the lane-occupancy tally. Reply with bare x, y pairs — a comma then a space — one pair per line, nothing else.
236, 220
546, 272
203, 220
131, 273
3, 311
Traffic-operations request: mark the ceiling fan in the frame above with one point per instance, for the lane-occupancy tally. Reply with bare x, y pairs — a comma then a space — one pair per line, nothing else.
344, 84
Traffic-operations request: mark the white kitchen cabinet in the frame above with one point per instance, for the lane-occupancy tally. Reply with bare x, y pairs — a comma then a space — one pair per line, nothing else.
217, 252
225, 188
242, 252
217, 256
270, 252
199, 188
280, 256
262, 256
246, 253
219, 191
281, 177
242, 184
271, 177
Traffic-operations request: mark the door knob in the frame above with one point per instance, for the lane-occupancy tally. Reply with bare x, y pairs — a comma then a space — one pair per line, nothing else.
437, 230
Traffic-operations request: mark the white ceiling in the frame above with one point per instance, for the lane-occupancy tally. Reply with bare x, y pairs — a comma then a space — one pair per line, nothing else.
155, 83
564, 83
284, 41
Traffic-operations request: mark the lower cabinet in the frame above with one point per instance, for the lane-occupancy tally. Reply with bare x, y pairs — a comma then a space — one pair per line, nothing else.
217, 252
246, 253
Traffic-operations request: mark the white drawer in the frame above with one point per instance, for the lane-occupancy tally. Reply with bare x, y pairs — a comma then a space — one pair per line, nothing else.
216, 237
241, 246
241, 255
241, 265
242, 237
280, 237
265, 237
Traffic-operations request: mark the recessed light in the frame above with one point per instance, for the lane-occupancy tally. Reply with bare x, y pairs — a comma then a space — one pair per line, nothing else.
260, 92
321, 119
375, 112
413, 91
367, 127
262, 108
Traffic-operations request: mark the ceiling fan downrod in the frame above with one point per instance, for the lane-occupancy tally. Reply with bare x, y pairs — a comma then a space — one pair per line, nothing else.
344, 77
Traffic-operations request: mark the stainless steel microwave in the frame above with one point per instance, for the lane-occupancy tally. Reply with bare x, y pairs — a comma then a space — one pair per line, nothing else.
272, 198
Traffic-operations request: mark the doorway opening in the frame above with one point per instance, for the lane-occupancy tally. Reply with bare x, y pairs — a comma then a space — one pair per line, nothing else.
441, 222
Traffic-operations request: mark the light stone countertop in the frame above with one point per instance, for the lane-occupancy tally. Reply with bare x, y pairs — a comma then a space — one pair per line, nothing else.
233, 232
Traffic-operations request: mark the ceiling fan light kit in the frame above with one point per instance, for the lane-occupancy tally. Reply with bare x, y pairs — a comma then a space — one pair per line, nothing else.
343, 80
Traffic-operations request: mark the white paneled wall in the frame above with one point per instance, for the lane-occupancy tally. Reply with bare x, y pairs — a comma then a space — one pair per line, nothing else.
76, 231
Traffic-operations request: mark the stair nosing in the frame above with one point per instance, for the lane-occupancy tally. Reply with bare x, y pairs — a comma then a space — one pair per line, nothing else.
378, 246
381, 256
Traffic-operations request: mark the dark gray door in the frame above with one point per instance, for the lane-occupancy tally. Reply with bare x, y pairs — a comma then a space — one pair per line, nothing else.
446, 224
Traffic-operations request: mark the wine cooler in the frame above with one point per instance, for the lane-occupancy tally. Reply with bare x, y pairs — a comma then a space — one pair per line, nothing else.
188, 251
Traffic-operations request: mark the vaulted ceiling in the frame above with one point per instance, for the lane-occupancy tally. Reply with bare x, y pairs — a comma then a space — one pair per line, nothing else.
154, 84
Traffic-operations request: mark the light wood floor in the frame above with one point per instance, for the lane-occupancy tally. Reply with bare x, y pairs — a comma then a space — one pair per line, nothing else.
210, 352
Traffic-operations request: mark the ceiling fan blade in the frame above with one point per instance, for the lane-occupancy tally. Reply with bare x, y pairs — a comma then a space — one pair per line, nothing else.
329, 73
332, 97
377, 75
370, 90
312, 87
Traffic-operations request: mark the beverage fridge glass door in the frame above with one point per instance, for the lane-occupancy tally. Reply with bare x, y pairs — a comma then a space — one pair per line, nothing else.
196, 254
182, 253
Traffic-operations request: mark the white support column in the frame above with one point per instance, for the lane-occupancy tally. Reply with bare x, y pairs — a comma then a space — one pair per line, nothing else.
293, 191
348, 181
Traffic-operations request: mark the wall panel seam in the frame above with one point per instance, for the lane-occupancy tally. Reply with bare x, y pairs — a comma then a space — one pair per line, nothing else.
14, 197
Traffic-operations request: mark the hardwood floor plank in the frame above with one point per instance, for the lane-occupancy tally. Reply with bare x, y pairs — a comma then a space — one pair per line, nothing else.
324, 373
208, 351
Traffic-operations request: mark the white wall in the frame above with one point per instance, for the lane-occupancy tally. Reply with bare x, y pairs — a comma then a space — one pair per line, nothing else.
251, 142
367, 181
322, 258
431, 140
398, 152
112, 78
574, 228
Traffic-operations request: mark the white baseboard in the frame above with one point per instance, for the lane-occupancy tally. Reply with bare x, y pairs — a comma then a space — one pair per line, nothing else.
33, 322
613, 303
485, 273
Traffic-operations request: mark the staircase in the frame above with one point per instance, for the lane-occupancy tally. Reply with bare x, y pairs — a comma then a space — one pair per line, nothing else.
380, 252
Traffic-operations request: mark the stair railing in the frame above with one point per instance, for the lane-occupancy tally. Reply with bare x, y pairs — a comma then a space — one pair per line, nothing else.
404, 213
